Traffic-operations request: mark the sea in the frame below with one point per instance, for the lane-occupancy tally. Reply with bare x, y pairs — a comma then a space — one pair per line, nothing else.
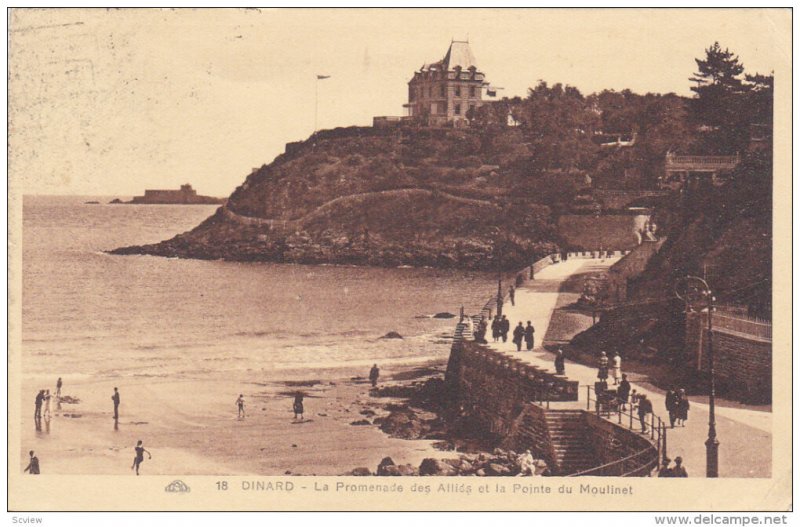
87, 313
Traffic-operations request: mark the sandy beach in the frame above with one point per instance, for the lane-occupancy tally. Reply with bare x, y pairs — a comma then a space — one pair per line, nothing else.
191, 426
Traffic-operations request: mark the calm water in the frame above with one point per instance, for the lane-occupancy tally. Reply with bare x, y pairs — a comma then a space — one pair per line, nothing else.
87, 313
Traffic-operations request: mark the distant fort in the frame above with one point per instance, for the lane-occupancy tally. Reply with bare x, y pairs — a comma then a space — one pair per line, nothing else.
185, 196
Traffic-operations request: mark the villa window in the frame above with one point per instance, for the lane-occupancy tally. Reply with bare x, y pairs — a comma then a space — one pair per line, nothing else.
442, 90
458, 91
458, 109
472, 91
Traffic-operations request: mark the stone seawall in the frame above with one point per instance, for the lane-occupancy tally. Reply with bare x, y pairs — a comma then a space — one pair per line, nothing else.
742, 362
589, 232
507, 403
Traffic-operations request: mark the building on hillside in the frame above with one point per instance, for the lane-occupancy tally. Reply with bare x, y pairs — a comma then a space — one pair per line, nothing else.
441, 93
679, 170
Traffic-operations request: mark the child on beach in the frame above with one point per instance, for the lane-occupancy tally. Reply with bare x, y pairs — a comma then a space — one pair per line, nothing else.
298, 406
140, 450
47, 404
240, 404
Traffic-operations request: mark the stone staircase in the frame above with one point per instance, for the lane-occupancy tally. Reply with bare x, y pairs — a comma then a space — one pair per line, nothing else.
569, 441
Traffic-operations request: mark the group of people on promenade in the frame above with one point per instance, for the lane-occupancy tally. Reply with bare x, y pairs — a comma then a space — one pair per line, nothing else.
615, 370
500, 328
677, 405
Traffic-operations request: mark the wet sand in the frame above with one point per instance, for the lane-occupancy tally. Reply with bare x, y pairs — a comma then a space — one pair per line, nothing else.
191, 426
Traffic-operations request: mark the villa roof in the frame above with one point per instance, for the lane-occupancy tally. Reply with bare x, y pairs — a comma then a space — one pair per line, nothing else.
459, 54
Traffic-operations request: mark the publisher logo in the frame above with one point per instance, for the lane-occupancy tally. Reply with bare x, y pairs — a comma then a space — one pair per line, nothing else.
177, 486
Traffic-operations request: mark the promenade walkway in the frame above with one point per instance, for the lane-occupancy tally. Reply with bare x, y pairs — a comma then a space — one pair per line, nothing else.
744, 434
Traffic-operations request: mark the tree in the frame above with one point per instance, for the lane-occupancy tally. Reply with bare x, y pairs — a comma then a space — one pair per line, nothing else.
719, 102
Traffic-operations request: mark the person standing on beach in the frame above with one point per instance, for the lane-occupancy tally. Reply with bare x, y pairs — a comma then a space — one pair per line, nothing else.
505, 327
140, 450
58, 388
33, 465
529, 336
511, 292
47, 404
298, 406
519, 332
37, 411
374, 373
559, 362
240, 405
115, 398
616, 367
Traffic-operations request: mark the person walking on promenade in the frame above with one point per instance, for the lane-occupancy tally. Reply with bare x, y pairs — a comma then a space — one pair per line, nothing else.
519, 333
671, 404
616, 367
298, 406
645, 407
59, 384
511, 292
37, 410
624, 391
496, 328
602, 367
682, 409
529, 336
139, 457
559, 362
480, 332
374, 373
115, 399
240, 406
679, 471
666, 471
33, 465
505, 327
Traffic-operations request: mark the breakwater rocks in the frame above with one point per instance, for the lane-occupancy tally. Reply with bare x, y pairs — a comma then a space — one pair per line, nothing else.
498, 463
442, 246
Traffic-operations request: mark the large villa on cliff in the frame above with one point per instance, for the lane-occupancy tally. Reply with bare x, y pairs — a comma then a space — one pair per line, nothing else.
441, 93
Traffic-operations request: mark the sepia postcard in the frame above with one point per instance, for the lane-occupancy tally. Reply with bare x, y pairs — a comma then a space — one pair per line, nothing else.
399, 259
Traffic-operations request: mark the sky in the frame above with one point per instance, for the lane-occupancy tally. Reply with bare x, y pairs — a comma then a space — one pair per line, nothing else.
111, 102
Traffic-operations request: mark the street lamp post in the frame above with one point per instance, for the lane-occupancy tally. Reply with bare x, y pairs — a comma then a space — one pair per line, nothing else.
695, 288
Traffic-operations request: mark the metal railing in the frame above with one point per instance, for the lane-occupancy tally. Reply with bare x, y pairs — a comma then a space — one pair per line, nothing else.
743, 324
641, 462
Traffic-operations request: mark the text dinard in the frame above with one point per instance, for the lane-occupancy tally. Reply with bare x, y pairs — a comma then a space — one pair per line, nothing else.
441, 488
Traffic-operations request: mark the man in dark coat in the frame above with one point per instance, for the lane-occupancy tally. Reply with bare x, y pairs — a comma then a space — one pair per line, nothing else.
624, 390
671, 403
511, 292
496, 328
559, 362
374, 373
678, 471
665, 471
115, 398
529, 336
519, 333
645, 407
37, 411
505, 327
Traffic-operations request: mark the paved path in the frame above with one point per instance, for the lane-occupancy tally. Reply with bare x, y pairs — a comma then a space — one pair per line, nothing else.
744, 434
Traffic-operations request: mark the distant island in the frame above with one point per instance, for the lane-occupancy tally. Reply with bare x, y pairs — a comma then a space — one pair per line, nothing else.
186, 195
